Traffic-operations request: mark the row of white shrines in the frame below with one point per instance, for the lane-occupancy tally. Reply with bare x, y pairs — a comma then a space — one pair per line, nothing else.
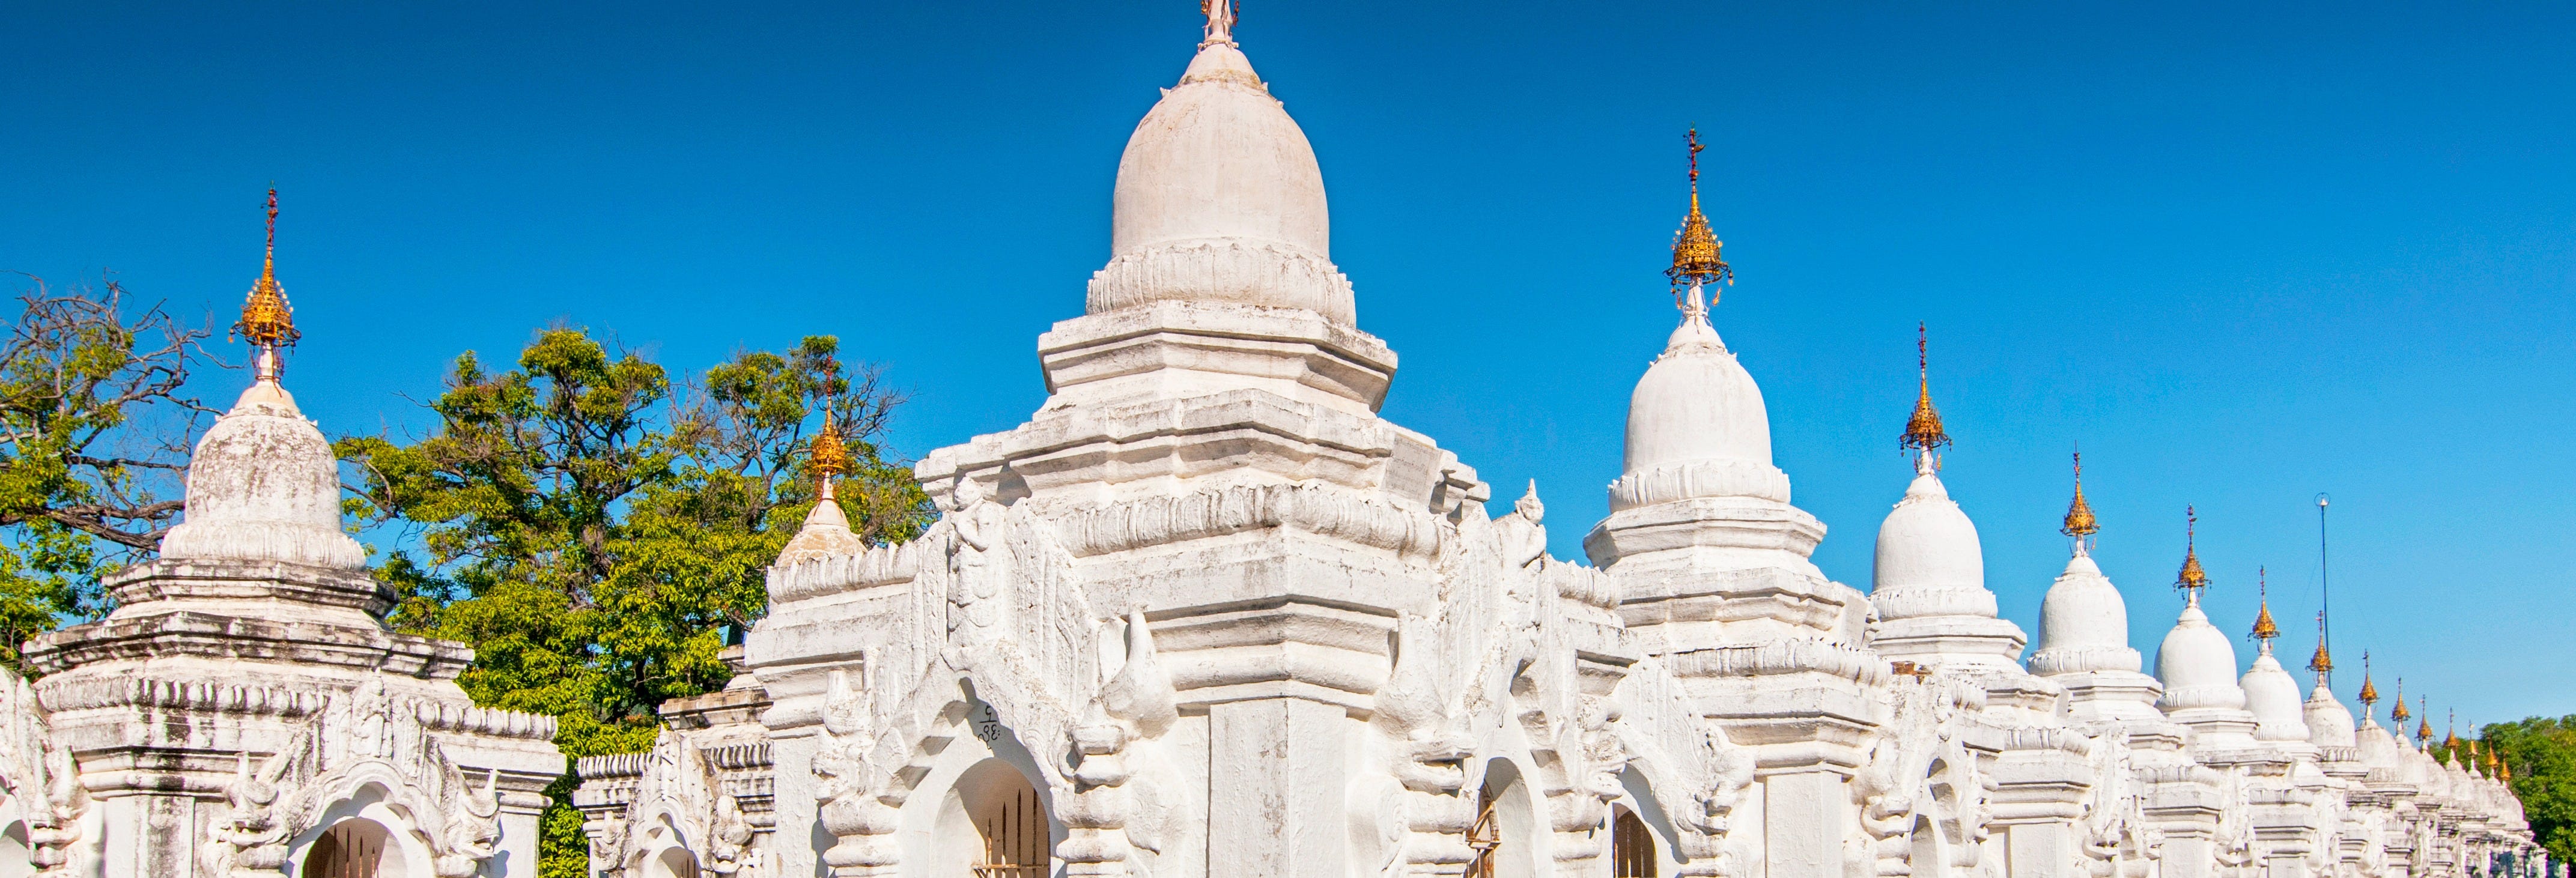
1207, 614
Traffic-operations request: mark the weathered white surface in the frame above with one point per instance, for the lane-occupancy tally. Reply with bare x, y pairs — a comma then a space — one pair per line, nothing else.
1223, 620
245, 697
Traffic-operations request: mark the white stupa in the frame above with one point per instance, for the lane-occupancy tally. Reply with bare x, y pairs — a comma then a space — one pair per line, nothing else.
1929, 582
2197, 663
2270, 693
2084, 631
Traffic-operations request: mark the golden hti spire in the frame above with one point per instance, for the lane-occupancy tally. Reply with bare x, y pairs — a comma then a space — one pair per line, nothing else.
2503, 767
2080, 523
829, 457
2451, 731
1696, 262
2398, 714
2424, 727
1923, 431
2191, 580
267, 322
2321, 663
2369, 693
2264, 628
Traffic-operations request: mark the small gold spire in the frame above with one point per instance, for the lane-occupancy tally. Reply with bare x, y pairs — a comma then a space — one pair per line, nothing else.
266, 320
2398, 714
2424, 727
2503, 768
829, 457
1923, 431
2264, 628
2451, 732
2191, 578
2080, 523
2369, 693
1696, 260
2321, 662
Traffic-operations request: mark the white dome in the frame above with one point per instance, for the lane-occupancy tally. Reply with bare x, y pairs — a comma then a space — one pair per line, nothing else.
2083, 624
1219, 199
2197, 664
2273, 697
1696, 403
263, 485
2329, 722
1929, 562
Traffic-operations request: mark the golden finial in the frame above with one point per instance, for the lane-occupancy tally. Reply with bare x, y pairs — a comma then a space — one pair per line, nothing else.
2503, 768
2191, 579
2264, 628
2424, 727
2321, 662
2369, 693
1695, 248
829, 457
267, 322
2451, 731
2079, 514
1923, 431
2398, 714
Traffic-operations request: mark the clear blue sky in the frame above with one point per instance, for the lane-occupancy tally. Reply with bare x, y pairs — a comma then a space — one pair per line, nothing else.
2242, 256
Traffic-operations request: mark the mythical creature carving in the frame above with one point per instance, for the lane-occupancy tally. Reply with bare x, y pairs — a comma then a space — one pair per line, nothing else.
364, 737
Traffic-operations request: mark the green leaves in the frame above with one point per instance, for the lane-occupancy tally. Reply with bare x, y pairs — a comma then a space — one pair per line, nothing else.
593, 529
2542, 754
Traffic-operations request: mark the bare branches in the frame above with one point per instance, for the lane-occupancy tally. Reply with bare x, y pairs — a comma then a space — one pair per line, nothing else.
95, 418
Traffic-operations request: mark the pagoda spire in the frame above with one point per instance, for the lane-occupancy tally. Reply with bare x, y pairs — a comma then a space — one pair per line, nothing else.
2397, 715
2191, 579
1221, 16
267, 321
2369, 692
829, 457
1923, 431
2265, 630
2080, 523
1696, 259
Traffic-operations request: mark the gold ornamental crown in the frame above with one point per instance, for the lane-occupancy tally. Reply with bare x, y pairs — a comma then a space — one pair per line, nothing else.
1923, 430
1695, 248
2369, 693
2264, 628
2079, 514
829, 456
2399, 714
266, 319
2191, 575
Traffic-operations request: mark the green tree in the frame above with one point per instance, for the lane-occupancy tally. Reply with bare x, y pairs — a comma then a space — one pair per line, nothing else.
593, 530
2541, 754
94, 430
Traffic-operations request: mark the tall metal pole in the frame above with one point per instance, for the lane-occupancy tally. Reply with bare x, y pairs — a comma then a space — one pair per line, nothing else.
2326, 630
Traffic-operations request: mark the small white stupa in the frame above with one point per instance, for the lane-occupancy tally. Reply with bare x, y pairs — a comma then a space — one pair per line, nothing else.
2270, 693
2084, 631
2198, 664
1929, 582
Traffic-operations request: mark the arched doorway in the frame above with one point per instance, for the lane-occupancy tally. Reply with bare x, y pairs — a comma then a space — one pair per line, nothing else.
1503, 841
353, 848
1632, 847
1924, 852
15, 856
995, 825
673, 863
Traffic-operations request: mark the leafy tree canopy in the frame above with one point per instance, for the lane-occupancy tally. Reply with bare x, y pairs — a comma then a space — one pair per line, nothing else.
593, 529
2541, 753
94, 430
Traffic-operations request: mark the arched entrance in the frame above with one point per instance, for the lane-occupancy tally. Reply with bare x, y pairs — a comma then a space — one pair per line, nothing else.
1503, 840
994, 824
1632, 847
354, 848
15, 855
1924, 852
673, 863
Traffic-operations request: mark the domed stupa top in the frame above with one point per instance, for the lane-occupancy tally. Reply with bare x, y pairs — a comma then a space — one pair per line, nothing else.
2196, 660
2083, 622
2269, 691
1929, 561
263, 484
1219, 197
1696, 423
